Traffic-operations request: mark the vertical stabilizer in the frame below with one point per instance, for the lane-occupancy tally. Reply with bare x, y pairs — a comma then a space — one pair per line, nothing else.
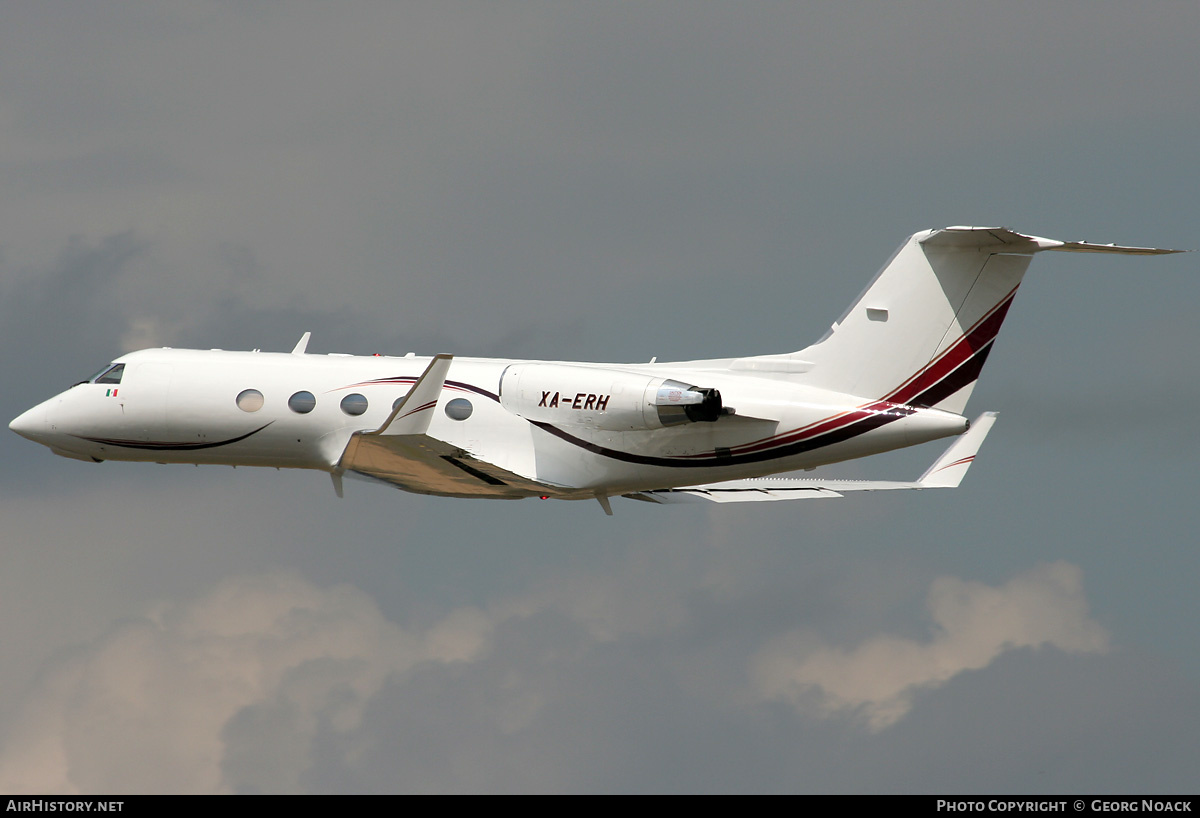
922, 330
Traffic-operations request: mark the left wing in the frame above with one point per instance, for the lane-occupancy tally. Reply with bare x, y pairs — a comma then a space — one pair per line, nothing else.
403, 454
946, 472
426, 465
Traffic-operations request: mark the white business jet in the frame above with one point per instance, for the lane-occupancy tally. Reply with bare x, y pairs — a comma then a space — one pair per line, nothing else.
895, 371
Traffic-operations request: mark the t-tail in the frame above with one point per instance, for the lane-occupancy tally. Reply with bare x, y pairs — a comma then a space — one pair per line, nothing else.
923, 328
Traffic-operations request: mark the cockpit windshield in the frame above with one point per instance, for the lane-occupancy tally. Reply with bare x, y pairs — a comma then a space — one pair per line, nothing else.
110, 374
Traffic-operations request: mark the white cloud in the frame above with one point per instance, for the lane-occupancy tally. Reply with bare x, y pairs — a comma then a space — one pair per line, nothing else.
238, 689
161, 703
269, 683
879, 680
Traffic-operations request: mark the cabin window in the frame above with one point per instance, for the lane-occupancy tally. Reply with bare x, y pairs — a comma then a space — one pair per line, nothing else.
459, 409
250, 400
354, 405
302, 403
111, 375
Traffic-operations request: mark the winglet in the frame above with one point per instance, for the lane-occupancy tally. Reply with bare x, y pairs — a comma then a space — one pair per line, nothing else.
949, 469
412, 415
302, 344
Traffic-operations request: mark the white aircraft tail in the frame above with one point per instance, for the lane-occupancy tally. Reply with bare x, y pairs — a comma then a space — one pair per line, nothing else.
921, 331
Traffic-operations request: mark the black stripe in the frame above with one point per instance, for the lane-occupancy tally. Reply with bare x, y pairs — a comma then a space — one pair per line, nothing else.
847, 432
967, 373
408, 378
163, 446
487, 478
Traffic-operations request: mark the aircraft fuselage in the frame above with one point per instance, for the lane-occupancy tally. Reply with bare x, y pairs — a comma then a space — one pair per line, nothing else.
182, 406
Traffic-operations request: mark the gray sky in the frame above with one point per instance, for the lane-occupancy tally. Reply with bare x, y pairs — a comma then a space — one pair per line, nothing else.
602, 182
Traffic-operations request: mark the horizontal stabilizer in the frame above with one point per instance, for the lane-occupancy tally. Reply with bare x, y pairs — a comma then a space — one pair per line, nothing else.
1003, 240
946, 472
1088, 247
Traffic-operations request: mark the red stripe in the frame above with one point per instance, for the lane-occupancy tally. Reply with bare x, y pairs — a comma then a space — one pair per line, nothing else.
958, 353
420, 408
957, 463
944, 365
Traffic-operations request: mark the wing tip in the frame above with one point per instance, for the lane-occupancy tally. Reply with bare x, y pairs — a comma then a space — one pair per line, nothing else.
949, 470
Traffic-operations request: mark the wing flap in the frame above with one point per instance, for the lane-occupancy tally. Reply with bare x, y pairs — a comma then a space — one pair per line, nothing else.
427, 465
736, 491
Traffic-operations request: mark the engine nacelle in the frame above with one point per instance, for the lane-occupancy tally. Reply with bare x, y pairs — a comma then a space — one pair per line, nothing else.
604, 398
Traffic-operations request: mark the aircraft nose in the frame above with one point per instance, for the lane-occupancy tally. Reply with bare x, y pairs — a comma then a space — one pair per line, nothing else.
31, 424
